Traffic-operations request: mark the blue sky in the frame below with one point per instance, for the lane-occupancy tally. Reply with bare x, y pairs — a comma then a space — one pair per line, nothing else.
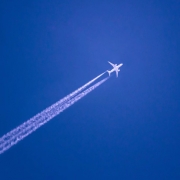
128, 128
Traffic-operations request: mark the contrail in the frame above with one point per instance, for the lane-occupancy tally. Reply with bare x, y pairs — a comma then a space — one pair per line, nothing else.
19, 133
40, 116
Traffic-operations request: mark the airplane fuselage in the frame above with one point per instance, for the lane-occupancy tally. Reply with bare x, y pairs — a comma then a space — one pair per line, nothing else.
115, 68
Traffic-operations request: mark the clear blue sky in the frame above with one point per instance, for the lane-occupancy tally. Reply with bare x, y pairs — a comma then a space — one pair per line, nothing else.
128, 128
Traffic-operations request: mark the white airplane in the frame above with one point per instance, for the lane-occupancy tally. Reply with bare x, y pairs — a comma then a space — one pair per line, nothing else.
115, 68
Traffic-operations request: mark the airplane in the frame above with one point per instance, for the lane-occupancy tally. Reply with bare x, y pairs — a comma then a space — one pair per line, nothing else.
115, 68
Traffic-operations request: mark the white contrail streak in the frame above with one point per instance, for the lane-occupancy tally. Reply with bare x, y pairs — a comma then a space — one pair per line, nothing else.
19, 133
40, 116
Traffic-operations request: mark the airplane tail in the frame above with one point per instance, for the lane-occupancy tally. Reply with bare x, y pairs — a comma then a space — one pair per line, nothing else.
109, 72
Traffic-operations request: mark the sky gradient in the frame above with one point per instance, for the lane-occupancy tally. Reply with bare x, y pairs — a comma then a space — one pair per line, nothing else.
128, 128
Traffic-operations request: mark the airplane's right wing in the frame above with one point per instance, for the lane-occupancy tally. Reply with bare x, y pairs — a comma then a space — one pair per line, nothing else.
111, 64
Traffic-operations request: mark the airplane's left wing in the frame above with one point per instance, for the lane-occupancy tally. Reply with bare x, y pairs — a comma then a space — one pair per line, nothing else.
116, 73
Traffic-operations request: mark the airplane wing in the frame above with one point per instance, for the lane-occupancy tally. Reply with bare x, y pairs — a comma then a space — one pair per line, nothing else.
116, 73
111, 64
